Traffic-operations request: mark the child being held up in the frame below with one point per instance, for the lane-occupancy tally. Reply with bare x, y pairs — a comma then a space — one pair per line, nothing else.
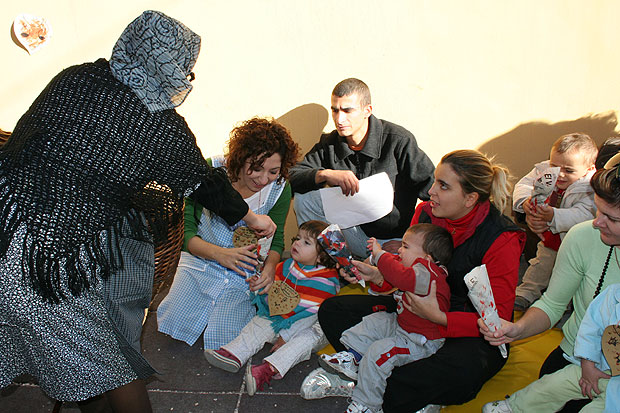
571, 202
588, 376
287, 313
382, 340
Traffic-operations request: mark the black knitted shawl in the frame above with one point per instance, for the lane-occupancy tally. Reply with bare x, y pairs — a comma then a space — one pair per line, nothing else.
77, 165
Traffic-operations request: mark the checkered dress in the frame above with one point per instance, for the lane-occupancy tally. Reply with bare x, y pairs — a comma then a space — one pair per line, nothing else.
127, 295
206, 297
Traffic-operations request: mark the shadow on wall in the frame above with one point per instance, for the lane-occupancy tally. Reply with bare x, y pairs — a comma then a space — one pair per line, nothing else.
306, 124
530, 143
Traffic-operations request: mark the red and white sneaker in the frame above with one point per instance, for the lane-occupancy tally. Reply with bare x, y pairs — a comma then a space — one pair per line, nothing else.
257, 376
223, 359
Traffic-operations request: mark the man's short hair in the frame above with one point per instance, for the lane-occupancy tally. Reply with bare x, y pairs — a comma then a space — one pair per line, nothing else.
350, 86
579, 142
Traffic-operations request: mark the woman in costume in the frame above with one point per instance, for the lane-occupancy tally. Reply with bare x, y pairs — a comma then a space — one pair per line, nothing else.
71, 177
210, 294
466, 198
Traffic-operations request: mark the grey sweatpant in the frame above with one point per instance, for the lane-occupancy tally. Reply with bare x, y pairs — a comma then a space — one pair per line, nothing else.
384, 345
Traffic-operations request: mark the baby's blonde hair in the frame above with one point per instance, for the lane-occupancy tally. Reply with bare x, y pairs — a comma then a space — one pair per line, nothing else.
577, 142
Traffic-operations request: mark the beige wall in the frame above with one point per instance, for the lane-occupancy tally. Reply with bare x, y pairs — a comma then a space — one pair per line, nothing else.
506, 77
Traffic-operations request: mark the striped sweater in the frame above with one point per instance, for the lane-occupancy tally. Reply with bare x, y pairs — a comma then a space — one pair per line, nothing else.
314, 285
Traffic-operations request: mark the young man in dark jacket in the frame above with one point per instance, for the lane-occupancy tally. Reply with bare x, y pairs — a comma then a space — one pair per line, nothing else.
360, 146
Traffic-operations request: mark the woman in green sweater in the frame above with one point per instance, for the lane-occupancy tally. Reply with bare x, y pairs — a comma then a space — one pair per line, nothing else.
587, 263
210, 292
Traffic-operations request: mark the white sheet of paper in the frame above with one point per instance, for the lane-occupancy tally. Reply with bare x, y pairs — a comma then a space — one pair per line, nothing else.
374, 200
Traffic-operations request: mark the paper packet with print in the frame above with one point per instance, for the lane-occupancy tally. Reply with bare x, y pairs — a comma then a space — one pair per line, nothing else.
481, 296
333, 242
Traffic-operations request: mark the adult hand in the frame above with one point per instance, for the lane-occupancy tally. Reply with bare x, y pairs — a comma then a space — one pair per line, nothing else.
346, 180
261, 224
589, 378
426, 307
368, 273
537, 225
238, 259
508, 333
392, 246
264, 282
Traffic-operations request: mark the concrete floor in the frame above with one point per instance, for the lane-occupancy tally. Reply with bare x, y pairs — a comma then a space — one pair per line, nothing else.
187, 383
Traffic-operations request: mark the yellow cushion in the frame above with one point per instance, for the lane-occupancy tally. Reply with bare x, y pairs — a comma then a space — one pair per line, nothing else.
526, 357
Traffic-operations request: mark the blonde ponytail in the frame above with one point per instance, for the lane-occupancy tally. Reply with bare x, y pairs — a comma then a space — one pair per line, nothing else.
500, 187
480, 175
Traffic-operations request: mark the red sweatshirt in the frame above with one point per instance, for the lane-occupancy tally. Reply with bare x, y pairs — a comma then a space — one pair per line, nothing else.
416, 279
502, 263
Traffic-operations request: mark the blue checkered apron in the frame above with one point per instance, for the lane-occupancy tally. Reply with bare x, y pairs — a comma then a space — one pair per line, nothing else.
127, 294
206, 297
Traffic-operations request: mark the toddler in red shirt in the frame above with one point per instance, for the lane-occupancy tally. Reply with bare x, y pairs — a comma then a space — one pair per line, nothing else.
382, 340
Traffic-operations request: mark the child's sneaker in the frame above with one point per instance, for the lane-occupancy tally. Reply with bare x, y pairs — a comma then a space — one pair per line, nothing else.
319, 384
498, 406
342, 364
257, 376
223, 359
357, 407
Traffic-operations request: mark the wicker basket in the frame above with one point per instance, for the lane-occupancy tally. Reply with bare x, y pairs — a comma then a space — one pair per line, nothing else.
168, 249
168, 252
4, 136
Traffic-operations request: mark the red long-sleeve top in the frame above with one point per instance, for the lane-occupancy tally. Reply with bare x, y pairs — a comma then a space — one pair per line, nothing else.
416, 279
502, 264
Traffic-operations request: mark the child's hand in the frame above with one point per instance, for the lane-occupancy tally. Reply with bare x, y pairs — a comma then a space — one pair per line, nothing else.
545, 212
589, 378
263, 283
527, 206
374, 246
279, 343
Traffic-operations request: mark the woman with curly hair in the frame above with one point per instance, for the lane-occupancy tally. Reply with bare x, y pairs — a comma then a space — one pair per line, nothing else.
210, 292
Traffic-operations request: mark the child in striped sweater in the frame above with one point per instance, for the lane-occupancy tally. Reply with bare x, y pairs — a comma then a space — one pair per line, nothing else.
301, 284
